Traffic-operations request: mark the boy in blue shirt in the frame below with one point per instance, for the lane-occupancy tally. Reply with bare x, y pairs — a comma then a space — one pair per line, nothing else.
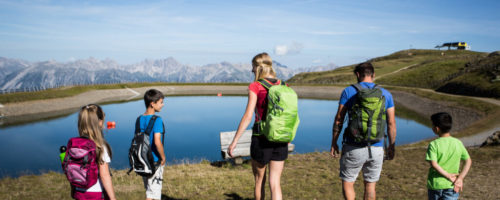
153, 100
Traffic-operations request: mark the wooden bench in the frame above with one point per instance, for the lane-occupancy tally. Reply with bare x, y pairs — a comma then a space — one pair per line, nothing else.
242, 148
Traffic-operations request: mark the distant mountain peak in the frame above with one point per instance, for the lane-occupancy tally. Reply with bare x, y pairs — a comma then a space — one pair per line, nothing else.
94, 71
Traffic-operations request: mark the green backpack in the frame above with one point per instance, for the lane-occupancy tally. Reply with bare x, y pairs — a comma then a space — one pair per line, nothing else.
282, 118
367, 117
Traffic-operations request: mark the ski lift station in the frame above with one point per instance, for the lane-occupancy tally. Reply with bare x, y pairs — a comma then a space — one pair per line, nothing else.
457, 45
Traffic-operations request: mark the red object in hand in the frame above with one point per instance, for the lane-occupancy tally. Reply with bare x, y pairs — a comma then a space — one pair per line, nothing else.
110, 125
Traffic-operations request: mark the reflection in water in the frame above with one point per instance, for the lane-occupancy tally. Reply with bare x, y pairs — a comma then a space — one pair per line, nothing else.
192, 128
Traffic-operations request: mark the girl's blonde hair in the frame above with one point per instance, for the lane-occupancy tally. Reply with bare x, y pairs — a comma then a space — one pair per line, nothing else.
263, 66
89, 127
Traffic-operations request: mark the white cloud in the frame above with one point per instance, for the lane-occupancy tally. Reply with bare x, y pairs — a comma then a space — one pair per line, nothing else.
289, 49
317, 61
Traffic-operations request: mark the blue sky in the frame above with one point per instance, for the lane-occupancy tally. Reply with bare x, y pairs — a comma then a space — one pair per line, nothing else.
296, 33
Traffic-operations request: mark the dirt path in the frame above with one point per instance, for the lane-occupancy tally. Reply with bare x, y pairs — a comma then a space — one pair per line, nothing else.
377, 77
488, 100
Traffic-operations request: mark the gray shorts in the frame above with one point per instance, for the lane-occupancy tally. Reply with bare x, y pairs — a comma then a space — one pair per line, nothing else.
354, 159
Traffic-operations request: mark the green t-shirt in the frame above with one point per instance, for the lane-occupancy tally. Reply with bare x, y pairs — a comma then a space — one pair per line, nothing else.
447, 152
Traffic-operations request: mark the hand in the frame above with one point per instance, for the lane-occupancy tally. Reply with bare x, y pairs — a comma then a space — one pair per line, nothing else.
334, 151
391, 152
452, 177
458, 185
163, 160
230, 149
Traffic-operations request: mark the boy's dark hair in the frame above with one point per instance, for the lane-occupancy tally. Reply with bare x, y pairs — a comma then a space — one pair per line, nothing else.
152, 95
364, 69
442, 120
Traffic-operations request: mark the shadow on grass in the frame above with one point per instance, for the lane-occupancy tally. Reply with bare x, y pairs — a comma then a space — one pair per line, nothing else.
230, 163
234, 196
220, 163
165, 197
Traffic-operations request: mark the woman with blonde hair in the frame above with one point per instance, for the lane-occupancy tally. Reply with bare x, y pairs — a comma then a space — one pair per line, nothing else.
262, 151
90, 124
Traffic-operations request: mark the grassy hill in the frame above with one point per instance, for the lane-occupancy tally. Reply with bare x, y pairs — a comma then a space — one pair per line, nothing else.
458, 72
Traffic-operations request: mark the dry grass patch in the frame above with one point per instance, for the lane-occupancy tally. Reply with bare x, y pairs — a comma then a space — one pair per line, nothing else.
306, 176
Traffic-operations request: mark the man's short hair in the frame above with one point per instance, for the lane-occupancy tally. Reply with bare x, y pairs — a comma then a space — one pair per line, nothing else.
442, 120
364, 69
152, 95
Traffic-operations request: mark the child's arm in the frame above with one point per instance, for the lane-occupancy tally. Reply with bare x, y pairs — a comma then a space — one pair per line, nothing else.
106, 180
460, 179
435, 165
159, 147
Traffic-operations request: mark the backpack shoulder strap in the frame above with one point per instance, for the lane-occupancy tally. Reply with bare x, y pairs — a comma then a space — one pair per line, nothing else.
163, 133
265, 83
138, 125
357, 86
150, 125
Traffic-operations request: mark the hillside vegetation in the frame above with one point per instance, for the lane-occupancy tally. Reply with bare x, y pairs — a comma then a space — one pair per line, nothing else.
457, 72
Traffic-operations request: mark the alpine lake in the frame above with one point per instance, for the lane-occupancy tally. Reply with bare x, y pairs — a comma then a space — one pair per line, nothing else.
192, 125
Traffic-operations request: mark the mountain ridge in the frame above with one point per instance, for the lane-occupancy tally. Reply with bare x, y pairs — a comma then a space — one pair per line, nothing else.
18, 74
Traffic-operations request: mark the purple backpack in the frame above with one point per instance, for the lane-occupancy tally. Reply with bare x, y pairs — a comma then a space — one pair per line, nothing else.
80, 163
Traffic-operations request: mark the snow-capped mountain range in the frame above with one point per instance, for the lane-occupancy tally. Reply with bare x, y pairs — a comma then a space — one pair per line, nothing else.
18, 74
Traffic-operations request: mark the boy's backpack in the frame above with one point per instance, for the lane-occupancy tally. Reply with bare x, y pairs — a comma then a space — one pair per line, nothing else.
80, 163
282, 118
140, 154
367, 116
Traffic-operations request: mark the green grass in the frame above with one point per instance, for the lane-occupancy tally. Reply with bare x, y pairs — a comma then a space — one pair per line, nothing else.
75, 90
306, 176
429, 75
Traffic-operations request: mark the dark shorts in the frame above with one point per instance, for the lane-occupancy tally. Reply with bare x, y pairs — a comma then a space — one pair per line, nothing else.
263, 151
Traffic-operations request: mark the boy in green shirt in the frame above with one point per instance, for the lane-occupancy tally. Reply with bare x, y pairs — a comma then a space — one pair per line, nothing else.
444, 154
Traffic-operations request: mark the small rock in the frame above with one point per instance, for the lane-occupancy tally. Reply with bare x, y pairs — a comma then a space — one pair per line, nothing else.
492, 140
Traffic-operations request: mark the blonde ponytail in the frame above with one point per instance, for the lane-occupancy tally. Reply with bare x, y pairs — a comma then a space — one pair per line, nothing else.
263, 66
89, 126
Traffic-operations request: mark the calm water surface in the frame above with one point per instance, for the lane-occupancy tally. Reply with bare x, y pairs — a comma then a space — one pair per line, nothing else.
192, 128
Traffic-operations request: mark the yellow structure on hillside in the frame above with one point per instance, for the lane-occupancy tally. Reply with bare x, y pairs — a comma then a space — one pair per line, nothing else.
458, 45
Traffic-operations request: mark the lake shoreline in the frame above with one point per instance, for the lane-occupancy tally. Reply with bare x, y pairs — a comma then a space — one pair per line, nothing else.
206, 172
23, 112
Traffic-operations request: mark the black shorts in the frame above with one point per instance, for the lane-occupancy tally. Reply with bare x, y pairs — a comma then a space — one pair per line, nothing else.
263, 151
